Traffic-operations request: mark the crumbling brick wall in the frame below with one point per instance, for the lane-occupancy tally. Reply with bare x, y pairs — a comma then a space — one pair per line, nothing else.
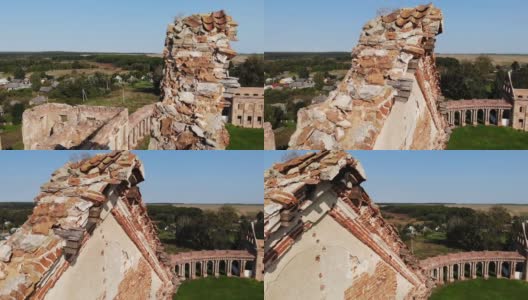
196, 55
389, 97
61, 126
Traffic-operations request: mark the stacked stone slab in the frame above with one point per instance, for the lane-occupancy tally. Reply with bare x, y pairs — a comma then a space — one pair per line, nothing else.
393, 53
197, 55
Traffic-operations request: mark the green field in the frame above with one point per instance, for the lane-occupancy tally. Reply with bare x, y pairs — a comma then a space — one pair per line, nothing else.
481, 289
432, 244
488, 138
11, 137
245, 138
222, 288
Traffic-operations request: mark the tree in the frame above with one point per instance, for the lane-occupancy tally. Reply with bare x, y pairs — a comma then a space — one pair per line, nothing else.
19, 73
304, 73
319, 80
76, 65
484, 65
499, 216
35, 79
516, 66
16, 111
274, 115
157, 76
250, 73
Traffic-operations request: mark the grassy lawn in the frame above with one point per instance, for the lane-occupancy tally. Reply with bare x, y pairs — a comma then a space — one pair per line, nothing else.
433, 244
488, 138
480, 289
245, 138
12, 137
222, 288
136, 96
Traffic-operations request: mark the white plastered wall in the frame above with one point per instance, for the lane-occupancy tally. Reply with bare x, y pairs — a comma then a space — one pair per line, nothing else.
325, 260
101, 264
399, 128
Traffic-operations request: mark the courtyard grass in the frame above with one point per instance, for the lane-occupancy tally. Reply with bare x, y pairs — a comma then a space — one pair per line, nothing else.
481, 289
429, 245
221, 288
487, 138
245, 138
136, 96
12, 137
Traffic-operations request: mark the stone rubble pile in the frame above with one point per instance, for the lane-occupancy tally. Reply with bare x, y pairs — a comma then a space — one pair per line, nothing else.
390, 48
197, 55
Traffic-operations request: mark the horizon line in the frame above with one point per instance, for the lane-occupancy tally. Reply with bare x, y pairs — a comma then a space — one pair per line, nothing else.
102, 52
437, 53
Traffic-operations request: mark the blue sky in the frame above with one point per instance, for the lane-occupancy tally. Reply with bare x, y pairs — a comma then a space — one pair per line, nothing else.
171, 176
471, 26
116, 25
441, 176
237, 176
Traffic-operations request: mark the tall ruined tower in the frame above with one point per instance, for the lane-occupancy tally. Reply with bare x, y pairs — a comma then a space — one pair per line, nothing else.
196, 56
388, 99
519, 100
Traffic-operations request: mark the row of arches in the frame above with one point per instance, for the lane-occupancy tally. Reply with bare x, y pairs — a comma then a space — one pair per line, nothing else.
138, 132
194, 269
478, 117
480, 269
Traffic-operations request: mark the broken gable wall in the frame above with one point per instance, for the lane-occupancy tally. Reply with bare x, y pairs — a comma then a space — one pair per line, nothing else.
327, 262
325, 238
89, 221
105, 264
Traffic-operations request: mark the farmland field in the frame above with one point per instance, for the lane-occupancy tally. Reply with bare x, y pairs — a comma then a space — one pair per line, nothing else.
499, 59
514, 209
245, 209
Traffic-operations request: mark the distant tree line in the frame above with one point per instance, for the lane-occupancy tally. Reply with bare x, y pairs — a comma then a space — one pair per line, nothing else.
19, 67
479, 79
465, 228
305, 64
196, 229
16, 213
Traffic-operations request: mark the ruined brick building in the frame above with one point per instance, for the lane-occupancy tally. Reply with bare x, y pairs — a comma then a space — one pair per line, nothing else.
245, 107
510, 111
193, 95
90, 235
389, 98
56, 126
326, 239
197, 55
